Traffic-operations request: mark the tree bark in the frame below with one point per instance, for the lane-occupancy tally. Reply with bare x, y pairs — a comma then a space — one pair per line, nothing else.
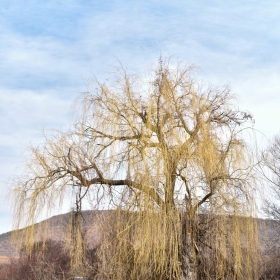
189, 252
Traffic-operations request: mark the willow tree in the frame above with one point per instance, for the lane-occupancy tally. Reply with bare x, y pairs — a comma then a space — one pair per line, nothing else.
167, 155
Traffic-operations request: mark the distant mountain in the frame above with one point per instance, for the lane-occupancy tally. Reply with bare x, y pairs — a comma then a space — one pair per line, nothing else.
55, 228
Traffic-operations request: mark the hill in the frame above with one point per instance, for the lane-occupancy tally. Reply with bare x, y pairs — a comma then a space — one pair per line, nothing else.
55, 228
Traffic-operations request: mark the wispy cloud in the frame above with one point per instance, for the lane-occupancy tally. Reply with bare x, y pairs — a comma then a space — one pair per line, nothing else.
47, 49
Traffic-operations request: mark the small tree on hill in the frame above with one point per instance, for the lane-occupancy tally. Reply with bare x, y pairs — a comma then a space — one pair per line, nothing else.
169, 156
271, 171
271, 160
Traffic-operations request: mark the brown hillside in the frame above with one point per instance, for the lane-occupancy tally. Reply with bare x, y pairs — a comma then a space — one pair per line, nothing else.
55, 228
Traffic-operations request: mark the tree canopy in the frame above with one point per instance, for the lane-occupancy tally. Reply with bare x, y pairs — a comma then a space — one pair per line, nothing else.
170, 151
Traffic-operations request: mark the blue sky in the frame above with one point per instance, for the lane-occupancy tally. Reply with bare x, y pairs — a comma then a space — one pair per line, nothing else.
49, 49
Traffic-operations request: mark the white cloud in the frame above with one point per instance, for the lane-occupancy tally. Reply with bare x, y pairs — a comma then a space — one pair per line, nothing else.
23, 114
47, 48
259, 91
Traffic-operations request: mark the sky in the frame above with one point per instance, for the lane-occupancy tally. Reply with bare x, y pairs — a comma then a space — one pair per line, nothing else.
50, 49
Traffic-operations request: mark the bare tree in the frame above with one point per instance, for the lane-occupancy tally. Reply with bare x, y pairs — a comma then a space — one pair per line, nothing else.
271, 160
169, 155
270, 171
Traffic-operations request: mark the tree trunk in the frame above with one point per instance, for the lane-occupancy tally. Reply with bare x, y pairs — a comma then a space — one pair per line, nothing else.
189, 251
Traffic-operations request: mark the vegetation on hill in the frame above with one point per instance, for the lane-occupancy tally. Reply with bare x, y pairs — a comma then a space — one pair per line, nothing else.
23, 266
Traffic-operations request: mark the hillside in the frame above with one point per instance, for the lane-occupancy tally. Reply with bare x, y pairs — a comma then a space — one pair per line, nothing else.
55, 228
